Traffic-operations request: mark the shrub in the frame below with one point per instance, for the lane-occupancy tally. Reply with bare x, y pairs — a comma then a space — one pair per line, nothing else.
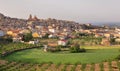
54, 49
112, 40
82, 50
76, 49
1, 46
58, 48
118, 57
27, 37
9, 39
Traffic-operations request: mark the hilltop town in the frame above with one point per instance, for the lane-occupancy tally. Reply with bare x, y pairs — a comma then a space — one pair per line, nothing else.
54, 29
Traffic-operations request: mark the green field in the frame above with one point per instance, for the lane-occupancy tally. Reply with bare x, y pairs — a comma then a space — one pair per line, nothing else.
38, 56
101, 47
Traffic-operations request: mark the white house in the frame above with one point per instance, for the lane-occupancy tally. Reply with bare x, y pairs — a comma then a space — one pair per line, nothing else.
117, 29
51, 36
17, 39
52, 30
33, 42
62, 42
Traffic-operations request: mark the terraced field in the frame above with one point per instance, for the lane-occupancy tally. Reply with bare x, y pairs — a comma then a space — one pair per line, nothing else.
15, 66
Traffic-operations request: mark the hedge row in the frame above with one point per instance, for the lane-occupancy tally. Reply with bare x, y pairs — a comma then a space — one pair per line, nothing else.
11, 48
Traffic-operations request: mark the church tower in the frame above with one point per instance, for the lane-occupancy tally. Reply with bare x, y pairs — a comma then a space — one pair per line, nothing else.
35, 18
30, 18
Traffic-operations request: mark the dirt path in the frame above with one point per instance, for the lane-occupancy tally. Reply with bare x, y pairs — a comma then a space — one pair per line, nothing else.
52, 67
78, 68
43, 67
69, 67
3, 62
106, 66
114, 66
37, 67
97, 67
88, 67
60, 67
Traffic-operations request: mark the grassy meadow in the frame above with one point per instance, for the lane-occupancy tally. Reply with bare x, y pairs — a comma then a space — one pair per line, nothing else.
94, 54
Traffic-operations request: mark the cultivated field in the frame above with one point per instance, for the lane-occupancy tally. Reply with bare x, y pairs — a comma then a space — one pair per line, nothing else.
18, 66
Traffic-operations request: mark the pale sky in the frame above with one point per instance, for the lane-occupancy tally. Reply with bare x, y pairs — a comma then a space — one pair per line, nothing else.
84, 11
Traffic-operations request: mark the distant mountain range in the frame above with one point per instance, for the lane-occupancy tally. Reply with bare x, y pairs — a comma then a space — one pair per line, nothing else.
110, 24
